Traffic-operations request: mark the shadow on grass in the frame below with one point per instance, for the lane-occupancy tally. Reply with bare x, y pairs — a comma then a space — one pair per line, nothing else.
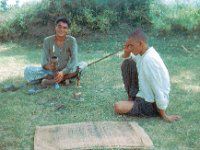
30, 53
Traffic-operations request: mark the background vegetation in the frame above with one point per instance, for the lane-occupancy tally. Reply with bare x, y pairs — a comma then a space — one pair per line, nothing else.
86, 16
37, 19
179, 16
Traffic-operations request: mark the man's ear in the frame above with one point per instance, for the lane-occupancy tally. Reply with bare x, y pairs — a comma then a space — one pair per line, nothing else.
142, 44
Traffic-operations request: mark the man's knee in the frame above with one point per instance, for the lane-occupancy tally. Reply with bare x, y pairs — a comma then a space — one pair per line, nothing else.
128, 63
119, 108
27, 71
34, 73
123, 107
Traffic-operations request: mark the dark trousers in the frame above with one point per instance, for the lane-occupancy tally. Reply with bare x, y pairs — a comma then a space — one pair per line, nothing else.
130, 77
141, 108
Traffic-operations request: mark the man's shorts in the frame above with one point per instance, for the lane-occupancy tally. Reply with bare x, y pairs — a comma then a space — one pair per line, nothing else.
142, 108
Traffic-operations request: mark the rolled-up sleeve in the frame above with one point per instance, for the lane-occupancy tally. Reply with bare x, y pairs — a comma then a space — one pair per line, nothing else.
155, 76
72, 64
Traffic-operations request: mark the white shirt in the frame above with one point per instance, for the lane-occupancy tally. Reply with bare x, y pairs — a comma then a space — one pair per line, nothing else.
153, 78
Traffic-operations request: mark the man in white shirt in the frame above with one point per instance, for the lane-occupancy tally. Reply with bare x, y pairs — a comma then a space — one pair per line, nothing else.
146, 80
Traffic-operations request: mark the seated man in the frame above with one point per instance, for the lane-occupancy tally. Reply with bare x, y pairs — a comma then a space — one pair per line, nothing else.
61, 46
146, 80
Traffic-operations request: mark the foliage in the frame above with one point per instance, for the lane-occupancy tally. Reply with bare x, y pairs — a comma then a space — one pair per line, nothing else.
20, 20
37, 20
177, 17
3, 5
85, 15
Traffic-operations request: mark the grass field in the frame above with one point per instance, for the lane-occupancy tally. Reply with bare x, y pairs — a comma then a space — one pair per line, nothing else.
101, 88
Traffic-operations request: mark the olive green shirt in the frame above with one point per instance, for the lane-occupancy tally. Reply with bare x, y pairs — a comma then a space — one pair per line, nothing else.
67, 55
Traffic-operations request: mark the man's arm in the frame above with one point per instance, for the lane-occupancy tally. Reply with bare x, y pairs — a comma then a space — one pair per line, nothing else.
45, 57
154, 75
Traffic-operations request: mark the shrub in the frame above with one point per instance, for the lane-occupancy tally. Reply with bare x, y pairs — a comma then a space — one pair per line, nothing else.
177, 17
90, 15
75, 29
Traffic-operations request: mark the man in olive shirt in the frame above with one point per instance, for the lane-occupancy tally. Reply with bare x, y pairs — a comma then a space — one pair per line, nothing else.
62, 46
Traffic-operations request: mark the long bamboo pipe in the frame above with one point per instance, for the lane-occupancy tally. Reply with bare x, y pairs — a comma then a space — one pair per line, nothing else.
94, 62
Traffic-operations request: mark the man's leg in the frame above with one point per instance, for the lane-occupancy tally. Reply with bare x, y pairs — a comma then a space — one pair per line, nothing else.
50, 81
138, 107
32, 73
76, 72
70, 76
123, 107
130, 77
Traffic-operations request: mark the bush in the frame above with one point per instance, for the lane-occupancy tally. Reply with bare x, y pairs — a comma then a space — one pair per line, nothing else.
177, 17
86, 15
20, 20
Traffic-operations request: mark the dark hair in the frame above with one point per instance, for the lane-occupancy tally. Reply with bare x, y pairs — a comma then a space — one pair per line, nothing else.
139, 35
63, 19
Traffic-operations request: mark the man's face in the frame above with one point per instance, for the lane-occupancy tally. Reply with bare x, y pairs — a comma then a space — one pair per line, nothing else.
61, 29
132, 45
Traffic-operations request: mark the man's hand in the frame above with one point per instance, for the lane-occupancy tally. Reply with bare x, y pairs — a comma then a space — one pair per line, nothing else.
172, 118
50, 67
59, 76
126, 50
167, 118
127, 47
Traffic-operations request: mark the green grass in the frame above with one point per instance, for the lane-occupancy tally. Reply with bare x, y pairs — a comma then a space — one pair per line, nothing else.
101, 88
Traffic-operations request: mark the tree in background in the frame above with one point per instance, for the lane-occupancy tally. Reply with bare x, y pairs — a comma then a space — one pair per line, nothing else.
177, 15
3, 5
88, 16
